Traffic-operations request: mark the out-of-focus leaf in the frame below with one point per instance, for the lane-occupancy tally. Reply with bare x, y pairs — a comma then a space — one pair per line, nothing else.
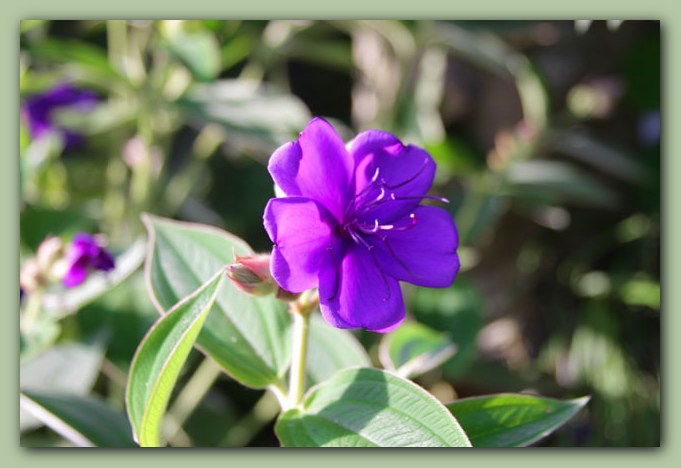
43, 334
512, 420
491, 53
556, 182
82, 420
198, 50
457, 311
65, 369
414, 348
369, 408
248, 336
159, 360
599, 155
36, 223
105, 117
255, 113
68, 301
331, 349
88, 57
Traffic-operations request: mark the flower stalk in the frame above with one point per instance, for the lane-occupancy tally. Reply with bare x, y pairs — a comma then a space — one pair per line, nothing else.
300, 312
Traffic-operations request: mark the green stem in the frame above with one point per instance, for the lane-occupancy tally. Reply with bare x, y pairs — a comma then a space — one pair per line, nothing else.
301, 327
192, 394
32, 311
264, 411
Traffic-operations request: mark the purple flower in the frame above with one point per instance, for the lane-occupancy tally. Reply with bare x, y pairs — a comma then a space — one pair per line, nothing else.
39, 109
83, 256
351, 224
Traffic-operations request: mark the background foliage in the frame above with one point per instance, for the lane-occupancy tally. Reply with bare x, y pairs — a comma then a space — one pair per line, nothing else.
547, 138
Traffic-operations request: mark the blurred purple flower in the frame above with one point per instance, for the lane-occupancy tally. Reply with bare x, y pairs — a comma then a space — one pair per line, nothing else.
38, 111
351, 225
84, 255
649, 129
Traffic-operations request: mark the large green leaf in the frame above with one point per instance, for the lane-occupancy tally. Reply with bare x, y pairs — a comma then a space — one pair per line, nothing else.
414, 348
82, 420
249, 337
159, 360
369, 408
331, 349
512, 420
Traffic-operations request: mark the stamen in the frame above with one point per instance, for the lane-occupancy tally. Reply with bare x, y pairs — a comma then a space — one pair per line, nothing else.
412, 178
397, 259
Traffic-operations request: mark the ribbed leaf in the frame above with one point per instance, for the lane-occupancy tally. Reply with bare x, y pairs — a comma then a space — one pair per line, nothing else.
331, 349
160, 357
511, 420
249, 337
369, 408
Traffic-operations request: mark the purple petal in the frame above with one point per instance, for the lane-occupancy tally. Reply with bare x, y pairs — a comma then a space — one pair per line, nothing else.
301, 230
76, 274
355, 293
317, 166
405, 171
424, 254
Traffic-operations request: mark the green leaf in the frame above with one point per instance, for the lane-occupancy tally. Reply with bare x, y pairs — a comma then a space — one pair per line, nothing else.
556, 182
199, 51
82, 420
251, 114
331, 349
369, 408
456, 311
159, 360
78, 55
67, 368
512, 420
249, 337
414, 348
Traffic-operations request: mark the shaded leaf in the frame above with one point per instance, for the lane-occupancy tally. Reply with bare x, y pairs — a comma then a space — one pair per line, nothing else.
512, 420
414, 348
82, 420
369, 408
255, 114
66, 369
331, 349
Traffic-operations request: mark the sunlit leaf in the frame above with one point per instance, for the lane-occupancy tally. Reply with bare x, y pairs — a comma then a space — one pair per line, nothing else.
248, 336
159, 360
512, 420
369, 408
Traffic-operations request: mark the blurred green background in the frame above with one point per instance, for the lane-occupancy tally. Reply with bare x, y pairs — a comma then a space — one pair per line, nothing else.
547, 139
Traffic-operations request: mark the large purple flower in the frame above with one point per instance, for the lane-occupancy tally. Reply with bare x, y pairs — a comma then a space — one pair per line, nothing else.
351, 224
39, 110
84, 255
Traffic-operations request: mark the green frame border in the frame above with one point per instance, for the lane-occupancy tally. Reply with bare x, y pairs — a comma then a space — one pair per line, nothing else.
666, 11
